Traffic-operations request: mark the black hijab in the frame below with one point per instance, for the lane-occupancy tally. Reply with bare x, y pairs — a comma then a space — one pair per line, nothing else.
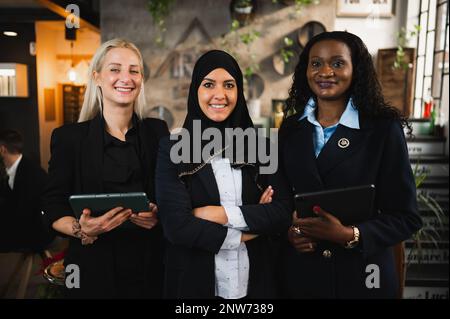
239, 118
208, 62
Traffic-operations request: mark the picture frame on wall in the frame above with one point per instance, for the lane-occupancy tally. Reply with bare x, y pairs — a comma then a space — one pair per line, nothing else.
365, 8
397, 84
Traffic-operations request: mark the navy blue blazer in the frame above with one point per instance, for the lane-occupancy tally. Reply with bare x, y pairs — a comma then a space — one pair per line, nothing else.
377, 154
193, 242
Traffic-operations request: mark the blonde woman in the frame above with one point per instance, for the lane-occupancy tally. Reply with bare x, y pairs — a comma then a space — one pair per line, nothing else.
111, 150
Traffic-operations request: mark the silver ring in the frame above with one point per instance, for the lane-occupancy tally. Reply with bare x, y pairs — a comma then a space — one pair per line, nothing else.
296, 229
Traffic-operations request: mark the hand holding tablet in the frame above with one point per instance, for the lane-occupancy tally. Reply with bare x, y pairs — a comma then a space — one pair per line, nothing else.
102, 203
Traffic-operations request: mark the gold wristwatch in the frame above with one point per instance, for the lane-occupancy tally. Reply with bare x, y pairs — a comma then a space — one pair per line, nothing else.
354, 242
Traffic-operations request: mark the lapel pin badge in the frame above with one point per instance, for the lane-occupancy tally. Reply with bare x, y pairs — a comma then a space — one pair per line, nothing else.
343, 143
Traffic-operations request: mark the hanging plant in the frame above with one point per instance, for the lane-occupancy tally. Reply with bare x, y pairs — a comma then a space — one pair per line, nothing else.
159, 10
299, 4
246, 38
287, 53
403, 38
242, 10
285, 60
243, 6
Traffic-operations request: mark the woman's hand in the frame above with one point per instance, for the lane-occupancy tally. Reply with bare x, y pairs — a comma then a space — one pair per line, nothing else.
325, 227
94, 226
246, 237
148, 219
215, 214
266, 197
298, 240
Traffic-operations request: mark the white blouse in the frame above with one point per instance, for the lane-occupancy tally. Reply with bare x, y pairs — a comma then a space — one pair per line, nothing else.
231, 262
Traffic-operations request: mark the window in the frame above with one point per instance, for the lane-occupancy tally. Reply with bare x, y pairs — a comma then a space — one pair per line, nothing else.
432, 60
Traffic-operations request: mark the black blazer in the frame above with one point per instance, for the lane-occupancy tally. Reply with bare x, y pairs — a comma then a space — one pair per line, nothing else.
193, 242
22, 224
377, 155
75, 167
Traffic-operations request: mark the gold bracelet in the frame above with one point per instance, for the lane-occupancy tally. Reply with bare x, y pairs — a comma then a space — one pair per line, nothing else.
355, 240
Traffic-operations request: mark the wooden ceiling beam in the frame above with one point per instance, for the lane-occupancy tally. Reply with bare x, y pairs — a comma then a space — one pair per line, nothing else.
62, 12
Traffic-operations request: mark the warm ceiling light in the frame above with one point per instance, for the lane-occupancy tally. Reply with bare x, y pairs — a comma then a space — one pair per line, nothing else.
10, 33
72, 75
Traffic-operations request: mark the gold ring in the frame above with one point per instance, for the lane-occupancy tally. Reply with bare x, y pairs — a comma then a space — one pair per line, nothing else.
296, 229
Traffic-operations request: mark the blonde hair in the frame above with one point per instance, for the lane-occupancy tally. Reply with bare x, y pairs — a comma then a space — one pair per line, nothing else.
93, 96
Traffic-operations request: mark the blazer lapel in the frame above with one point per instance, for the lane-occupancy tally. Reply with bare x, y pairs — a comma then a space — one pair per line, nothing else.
342, 144
20, 178
92, 158
302, 150
147, 144
251, 189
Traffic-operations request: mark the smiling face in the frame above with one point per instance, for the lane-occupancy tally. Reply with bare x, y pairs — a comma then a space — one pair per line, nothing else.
217, 95
330, 70
120, 77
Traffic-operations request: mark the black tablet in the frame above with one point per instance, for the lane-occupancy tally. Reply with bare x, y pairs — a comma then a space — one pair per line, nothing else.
350, 205
101, 203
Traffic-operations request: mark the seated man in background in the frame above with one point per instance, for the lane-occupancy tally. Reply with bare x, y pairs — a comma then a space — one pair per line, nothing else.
21, 226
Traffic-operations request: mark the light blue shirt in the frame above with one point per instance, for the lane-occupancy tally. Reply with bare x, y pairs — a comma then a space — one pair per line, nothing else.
350, 119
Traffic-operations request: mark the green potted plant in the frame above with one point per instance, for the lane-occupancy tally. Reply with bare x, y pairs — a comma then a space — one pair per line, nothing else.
243, 6
242, 10
427, 234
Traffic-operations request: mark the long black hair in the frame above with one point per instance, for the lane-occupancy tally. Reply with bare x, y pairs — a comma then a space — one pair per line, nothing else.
365, 88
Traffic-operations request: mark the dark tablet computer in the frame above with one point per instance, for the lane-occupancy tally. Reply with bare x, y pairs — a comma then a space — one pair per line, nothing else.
101, 203
350, 205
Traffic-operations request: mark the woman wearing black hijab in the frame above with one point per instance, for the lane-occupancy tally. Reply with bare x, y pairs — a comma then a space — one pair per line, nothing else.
220, 224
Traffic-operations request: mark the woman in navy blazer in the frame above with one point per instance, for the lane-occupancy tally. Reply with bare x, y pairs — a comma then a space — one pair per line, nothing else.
220, 224
344, 134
